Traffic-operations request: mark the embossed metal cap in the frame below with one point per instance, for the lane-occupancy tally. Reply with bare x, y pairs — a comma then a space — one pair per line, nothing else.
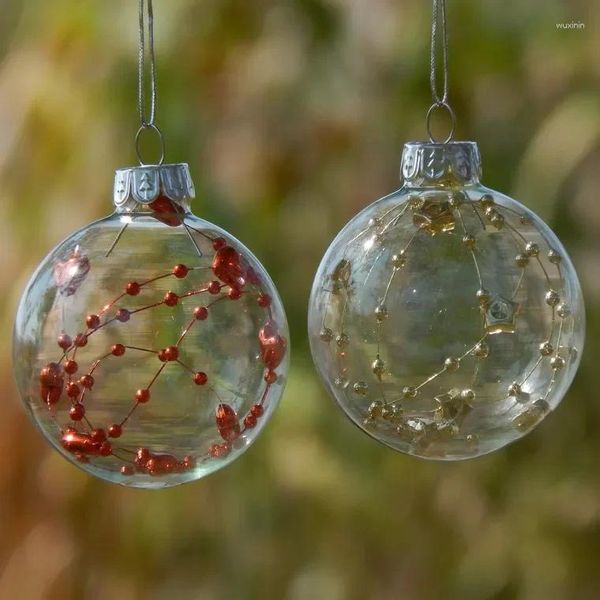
433, 164
143, 185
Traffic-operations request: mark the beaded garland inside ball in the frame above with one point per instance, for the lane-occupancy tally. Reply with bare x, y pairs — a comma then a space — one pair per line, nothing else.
151, 346
446, 319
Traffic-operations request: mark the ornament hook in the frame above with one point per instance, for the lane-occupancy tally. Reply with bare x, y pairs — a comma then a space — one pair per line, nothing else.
147, 121
439, 27
431, 111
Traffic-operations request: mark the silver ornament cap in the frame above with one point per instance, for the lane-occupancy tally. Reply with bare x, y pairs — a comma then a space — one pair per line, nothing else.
431, 163
143, 185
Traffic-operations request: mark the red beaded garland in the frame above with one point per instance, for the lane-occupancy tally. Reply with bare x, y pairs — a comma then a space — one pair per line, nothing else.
201, 313
115, 431
71, 367
200, 378
92, 321
77, 412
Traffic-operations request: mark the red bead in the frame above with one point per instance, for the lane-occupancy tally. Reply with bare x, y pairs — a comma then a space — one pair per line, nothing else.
250, 421
92, 321
105, 449
115, 431
87, 381
77, 412
234, 294
172, 353
257, 410
123, 315
227, 422
264, 300
219, 243
127, 470
51, 383
80, 340
270, 377
118, 350
162, 355
65, 341
214, 287
98, 435
227, 267
201, 312
180, 271
272, 345
142, 395
200, 378
142, 456
73, 390
71, 367
133, 288
171, 299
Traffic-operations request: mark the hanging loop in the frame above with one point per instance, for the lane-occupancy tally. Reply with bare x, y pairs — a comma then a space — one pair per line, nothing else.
147, 116
439, 41
432, 109
138, 139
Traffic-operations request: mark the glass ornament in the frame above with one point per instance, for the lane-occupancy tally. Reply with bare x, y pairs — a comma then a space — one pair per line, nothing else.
150, 346
446, 319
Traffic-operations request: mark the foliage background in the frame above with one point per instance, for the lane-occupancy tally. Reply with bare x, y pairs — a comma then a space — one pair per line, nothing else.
292, 114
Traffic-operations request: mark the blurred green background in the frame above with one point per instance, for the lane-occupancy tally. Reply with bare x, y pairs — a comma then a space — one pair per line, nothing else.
292, 115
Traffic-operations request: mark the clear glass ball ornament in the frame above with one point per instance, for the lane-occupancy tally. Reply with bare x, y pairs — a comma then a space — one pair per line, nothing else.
150, 347
446, 319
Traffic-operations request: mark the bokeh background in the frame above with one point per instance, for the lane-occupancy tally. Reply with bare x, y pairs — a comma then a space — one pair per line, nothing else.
292, 115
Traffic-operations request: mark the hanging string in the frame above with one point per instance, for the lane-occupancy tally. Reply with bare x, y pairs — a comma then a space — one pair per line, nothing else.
439, 42
147, 118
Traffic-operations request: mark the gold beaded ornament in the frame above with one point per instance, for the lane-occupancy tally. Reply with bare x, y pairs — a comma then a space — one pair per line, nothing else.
446, 319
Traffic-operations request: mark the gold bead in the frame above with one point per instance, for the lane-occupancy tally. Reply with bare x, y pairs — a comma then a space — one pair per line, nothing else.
361, 388
491, 213
546, 349
467, 396
486, 200
374, 222
532, 249
529, 418
552, 298
415, 201
341, 382
557, 362
481, 350
522, 260
469, 240
457, 199
409, 391
542, 406
497, 221
378, 367
387, 413
525, 220
342, 340
375, 409
514, 389
381, 313
554, 257
397, 410
563, 310
483, 296
451, 364
399, 260
326, 334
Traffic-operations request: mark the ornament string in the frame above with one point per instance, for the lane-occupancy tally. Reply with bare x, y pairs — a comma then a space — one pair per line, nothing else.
439, 41
147, 118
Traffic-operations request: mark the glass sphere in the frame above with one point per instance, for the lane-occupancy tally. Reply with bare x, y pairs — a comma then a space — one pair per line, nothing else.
150, 346
446, 319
